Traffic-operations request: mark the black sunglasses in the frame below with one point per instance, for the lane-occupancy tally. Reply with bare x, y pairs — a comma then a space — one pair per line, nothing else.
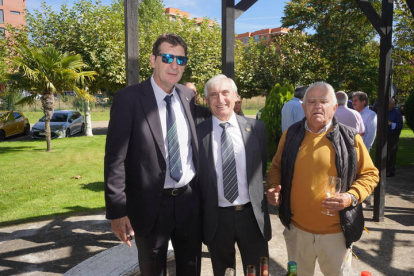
168, 58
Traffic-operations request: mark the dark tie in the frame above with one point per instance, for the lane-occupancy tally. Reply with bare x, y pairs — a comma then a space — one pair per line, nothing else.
173, 146
229, 165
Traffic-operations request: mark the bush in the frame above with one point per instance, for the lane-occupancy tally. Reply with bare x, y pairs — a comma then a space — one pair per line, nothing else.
271, 115
409, 111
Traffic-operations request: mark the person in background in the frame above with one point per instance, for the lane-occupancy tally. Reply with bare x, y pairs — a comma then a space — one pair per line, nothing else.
369, 117
292, 111
309, 152
349, 103
395, 125
348, 116
151, 161
238, 106
201, 113
233, 154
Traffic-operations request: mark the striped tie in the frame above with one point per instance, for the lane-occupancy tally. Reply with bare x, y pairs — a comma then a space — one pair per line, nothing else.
174, 157
229, 166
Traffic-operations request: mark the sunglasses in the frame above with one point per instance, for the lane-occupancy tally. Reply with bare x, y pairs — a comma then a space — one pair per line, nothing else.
168, 58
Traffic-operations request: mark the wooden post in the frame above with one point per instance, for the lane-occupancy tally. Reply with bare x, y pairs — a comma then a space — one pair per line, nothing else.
131, 41
229, 14
384, 27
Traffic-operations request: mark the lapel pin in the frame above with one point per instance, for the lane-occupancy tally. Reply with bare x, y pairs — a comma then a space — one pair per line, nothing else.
186, 99
247, 129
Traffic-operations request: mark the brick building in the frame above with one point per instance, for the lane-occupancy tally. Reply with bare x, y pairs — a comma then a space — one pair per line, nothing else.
264, 34
175, 14
12, 12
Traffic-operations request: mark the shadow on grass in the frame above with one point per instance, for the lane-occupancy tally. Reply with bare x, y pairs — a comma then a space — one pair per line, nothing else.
94, 186
54, 246
78, 210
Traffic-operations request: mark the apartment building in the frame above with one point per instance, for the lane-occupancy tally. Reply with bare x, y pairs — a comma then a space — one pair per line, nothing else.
264, 34
12, 12
175, 14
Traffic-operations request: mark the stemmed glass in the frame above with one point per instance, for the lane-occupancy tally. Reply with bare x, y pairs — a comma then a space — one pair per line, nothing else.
332, 187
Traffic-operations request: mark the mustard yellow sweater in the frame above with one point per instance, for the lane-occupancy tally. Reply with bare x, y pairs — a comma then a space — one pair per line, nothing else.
314, 163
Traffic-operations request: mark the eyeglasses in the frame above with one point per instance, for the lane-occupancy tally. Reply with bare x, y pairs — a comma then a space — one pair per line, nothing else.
168, 58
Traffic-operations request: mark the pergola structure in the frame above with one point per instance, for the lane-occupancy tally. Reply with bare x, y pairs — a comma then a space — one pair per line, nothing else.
230, 12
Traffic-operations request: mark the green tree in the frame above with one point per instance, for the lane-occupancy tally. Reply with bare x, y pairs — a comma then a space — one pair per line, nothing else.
288, 58
342, 31
403, 53
46, 72
271, 115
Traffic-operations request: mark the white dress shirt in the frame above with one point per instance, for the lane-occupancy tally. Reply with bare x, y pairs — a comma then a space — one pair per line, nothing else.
183, 132
292, 112
370, 122
240, 156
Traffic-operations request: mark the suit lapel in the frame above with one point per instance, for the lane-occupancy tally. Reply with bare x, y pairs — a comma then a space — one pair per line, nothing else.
207, 140
150, 107
246, 131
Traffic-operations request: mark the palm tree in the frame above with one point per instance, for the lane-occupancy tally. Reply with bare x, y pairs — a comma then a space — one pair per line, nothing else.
46, 72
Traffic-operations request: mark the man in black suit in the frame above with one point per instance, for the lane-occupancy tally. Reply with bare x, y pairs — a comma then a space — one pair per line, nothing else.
234, 156
151, 160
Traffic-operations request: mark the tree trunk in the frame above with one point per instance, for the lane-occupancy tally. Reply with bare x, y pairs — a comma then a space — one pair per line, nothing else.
48, 103
88, 121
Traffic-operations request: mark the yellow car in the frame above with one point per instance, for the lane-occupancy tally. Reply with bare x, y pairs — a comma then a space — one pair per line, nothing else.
12, 123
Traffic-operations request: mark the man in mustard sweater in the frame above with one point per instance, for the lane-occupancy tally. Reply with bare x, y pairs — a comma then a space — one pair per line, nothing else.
309, 152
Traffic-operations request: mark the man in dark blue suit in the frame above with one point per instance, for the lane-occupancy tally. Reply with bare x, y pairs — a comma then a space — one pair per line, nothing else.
151, 161
233, 155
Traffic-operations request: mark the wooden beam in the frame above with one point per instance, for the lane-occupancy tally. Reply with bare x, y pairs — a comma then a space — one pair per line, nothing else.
131, 41
410, 4
372, 15
243, 6
227, 37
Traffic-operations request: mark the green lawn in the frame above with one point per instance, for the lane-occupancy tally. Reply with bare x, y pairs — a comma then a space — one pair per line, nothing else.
35, 183
34, 116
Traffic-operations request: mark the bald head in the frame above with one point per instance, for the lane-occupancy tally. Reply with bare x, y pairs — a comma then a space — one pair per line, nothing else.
191, 86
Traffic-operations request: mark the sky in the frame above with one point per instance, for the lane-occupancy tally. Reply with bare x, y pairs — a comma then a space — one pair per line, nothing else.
262, 15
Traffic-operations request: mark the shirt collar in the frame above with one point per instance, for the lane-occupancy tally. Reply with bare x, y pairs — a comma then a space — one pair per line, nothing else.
232, 121
321, 131
159, 93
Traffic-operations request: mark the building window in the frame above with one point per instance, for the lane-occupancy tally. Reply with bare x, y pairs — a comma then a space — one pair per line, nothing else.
2, 32
1, 2
15, 12
256, 38
1, 16
264, 37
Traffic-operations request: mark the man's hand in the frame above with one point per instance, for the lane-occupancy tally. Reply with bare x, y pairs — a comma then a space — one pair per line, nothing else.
273, 195
123, 229
337, 203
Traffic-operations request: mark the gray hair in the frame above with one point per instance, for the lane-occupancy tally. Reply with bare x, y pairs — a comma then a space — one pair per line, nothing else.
362, 96
217, 79
341, 97
300, 91
326, 86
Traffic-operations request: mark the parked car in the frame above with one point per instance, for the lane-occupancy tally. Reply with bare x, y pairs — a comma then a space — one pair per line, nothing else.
64, 123
12, 123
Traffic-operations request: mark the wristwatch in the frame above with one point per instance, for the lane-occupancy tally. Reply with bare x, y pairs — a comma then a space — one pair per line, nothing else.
354, 200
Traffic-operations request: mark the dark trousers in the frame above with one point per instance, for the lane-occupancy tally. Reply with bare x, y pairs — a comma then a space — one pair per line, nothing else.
176, 222
392, 148
237, 227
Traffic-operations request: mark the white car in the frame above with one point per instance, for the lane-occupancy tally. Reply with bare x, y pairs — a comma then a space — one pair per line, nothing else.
64, 123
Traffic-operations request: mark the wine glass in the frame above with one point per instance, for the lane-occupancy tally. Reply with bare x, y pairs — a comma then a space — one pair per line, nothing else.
332, 187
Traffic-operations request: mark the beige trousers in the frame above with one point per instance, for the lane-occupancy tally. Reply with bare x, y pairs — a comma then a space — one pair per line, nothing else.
305, 248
